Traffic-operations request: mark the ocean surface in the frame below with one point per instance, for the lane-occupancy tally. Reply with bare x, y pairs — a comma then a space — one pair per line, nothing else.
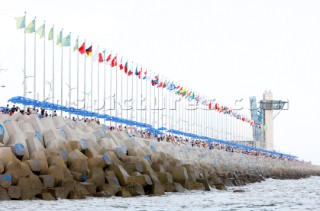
271, 194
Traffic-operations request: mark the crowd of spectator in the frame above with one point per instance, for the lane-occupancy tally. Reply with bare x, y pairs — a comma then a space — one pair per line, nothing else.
135, 132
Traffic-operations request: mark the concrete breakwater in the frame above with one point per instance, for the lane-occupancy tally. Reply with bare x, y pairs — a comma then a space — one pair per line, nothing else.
56, 158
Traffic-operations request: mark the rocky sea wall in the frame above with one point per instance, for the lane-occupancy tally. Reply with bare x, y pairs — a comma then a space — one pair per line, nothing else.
56, 158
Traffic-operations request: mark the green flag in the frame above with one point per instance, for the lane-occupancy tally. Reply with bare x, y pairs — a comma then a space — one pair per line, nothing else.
50, 36
40, 31
21, 22
59, 38
66, 41
76, 46
31, 27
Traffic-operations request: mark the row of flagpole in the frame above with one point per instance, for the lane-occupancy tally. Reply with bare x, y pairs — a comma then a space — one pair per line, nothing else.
182, 119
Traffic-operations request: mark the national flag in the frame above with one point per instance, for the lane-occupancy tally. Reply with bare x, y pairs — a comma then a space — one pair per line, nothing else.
126, 67
31, 27
171, 86
137, 73
76, 46
164, 85
121, 66
191, 96
21, 22
210, 106
40, 31
50, 36
82, 48
130, 72
66, 41
159, 85
59, 38
89, 51
100, 58
114, 62
155, 81
145, 75
108, 58
95, 56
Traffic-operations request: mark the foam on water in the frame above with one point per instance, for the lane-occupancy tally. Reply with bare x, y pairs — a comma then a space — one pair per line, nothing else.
301, 194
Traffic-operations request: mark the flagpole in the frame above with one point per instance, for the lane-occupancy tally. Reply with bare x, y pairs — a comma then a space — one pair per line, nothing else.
127, 88
91, 97
141, 113
132, 91
154, 105
145, 113
53, 65
162, 104
141, 95
70, 74
25, 59
44, 63
110, 90
104, 83
35, 64
78, 75
85, 81
158, 104
98, 91
116, 97
150, 105
61, 97
137, 95
166, 104
121, 89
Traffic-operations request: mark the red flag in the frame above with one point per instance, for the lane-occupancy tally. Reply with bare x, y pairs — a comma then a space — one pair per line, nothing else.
108, 58
126, 67
210, 106
100, 57
121, 67
82, 48
130, 73
114, 62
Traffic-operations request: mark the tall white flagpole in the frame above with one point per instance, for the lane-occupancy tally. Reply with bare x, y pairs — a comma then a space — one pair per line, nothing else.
25, 61
137, 95
116, 96
146, 97
127, 89
91, 88
70, 75
78, 73
110, 89
104, 82
85, 81
53, 72
35, 64
141, 109
150, 99
121, 98
98, 77
132, 91
61, 97
44, 62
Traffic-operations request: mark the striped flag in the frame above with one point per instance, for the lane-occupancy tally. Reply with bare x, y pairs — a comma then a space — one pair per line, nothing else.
31, 27
20, 22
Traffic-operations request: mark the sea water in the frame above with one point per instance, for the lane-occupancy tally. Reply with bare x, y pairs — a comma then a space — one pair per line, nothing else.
303, 194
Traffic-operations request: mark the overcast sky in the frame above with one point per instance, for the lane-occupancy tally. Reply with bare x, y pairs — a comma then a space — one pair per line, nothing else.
224, 49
